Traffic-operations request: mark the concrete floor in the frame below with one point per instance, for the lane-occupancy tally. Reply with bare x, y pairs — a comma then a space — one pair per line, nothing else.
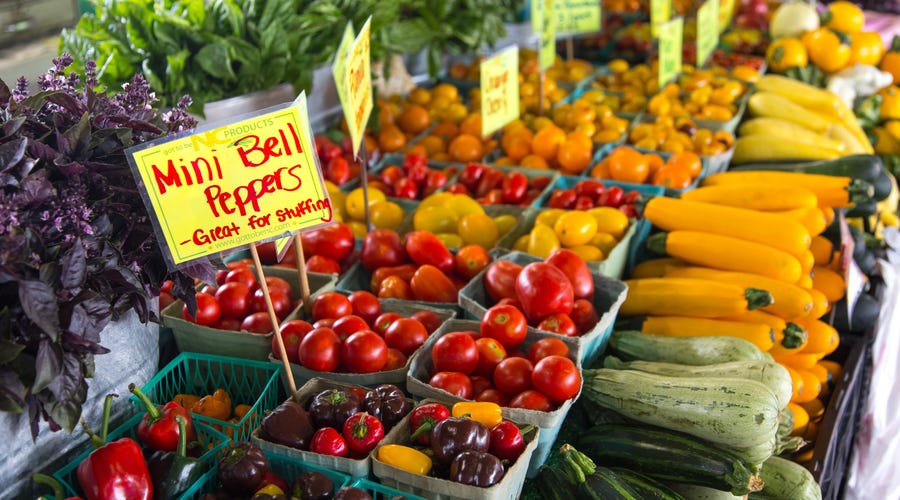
29, 59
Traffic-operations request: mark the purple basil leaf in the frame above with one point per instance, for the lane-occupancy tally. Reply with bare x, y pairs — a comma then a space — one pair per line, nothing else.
74, 266
9, 351
70, 391
47, 365
42, 151
80, 135
5, 94
13, 125
89, 318
81, 345
36, 189
11, 391
7, 180
11, 153
39, 304
72, 105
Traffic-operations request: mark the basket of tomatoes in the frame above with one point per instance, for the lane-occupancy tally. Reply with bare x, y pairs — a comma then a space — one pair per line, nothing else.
675, 173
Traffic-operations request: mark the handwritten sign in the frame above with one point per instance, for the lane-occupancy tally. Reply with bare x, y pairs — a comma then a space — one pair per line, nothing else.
499, 90
339, 68
707, 30
359, 86
660, 12
226, 186
543, 22
726, 12
670, 34
576, 16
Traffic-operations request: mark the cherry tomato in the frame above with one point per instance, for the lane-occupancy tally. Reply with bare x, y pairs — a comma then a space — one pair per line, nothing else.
258, 322
406, 188
429, 284
584, 316
391, 174
365, 305
471, 175
470, 260
574, 267
506, 324
424, 248
292, 333
267, 254
590, 188
480, 383
348, 325
322, 264
221, 274
167, 285
430, 320
395, 360
458, 188
244, 275
490, 353
324, 323
165, 300
455, 383
209, 289
406, 334
500, 279
514, 186
557, 377
414, 160
492, 395
435, 180
543, 290
559, 323
404, 272
531, 400
337, 170
208, 310
547, 347
364, 352
232, 324
382, 248
562, 198
612, 197
513, 375
274, 282
394, 287
455, 352
383, 321
331, 305
583, 203
281, 302
334, 241
320, 350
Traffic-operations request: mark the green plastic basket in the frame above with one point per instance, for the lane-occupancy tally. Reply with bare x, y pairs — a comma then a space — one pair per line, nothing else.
285, 467
211, 439
381, 492
255, 383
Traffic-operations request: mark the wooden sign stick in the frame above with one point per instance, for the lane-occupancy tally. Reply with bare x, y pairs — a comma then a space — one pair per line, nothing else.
364, 180
301, 273
273, 318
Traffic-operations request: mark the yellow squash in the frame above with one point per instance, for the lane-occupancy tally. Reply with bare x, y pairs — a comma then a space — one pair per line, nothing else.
760, 334
772, 147
830, 190
764, 197
692, 297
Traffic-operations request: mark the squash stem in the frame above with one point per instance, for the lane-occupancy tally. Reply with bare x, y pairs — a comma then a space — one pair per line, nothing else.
794, 336
757, 298
657, 243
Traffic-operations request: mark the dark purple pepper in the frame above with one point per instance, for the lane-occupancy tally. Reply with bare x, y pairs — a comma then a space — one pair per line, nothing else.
288, 424
242, 467
477, 469
332, 407
452, 436
352, 493
388, 403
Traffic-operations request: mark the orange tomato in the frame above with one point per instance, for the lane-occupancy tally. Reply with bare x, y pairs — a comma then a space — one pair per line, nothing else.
601, 169
447, 130
471, 125
672, 177
391, 138
465, 148
654, 162
628, 165
534, 161
689, 161
573, 156
547, 141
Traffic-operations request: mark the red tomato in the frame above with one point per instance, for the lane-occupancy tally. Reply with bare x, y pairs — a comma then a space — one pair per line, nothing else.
258, 322
455, 352
395, 360
424, 248
320, 350
584, 316
383, 321
458, 188
229, 324
455, 383
331, 305
365, 305
244, 275
221, 274
531, 400
418, 174
514, 186
436, 179
583, 203
559, 323
480, 383
557, 377
506, 324
274, 282
281, 302
590, 188
429, 319
364, 352
492, 395
291, 333
510, 301
322, 264
490, 353
208, 310
267, 254
337, 170
167, 285
382, 248
414, 160
543, 290
334, 241
406, 334
574, 267
324, 323
391, 174
209, 289
405, 272
429, 284
470, 260
562, 198
513, 375
394, 287
500, 279
471, 175
612, 197
490, 180
165, 300
547, 347
348, 325
405, 188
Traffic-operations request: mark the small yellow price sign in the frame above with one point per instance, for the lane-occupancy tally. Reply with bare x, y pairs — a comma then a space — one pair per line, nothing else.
660, 12
670, 38
726, 12
226, 186
499, 90
707, 30
543, 22
359, 86
339, 68
577, 16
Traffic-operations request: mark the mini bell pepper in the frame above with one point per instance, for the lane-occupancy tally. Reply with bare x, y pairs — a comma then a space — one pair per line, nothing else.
186, 400
242, 467
158, 429
476, 468
423, 419
114, 470
174, 472
388, 403
507, 441
452, 436
406, 458
216, 405
486, 412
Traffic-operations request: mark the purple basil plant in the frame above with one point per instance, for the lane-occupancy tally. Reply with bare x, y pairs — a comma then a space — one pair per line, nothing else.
77, 248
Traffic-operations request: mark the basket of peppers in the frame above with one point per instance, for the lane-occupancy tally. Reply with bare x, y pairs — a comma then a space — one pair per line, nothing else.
468, 451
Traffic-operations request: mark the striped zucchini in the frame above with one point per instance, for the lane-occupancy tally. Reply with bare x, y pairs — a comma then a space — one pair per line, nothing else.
757, 454
695, 492
552, 484
668, 456
593, 482
785, 479
773, 375
645, 486
684, 350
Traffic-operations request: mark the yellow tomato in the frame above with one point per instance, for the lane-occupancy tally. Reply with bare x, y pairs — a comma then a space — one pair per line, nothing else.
463, 205
589, 253
844, 17
450, 240
575, 227
521, 244
435, 219
478, 229
542, 241
436, 200
358, 228
355, 202
605, 242
386, 214
610, 220
504, 223
786, 53
549, 217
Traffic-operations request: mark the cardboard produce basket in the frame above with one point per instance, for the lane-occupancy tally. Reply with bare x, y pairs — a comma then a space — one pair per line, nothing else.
302, 374
381, 491
191, 337
609, 294
354, 467
549, 421
443, 489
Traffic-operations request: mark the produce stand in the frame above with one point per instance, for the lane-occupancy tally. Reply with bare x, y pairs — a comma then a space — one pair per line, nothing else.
480, 282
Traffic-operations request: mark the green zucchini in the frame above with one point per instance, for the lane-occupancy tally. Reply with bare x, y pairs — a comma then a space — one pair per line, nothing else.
727, 411
786, 479
695, 492
773, 375
862, 167
756, 454
552, 484
683, 350
863, 208
593, 482
668, 456
645, 486
786, 423
882, 185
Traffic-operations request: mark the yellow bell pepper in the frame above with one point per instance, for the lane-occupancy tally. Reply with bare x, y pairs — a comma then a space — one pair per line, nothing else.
484, 412
406, 458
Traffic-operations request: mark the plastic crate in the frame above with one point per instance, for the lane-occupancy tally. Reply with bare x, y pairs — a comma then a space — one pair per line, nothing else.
382, 492
285, 467
211, 439
254, 383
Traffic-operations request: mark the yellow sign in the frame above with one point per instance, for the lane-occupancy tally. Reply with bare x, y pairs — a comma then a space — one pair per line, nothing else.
499, 90
707, 30
577, 16
544, 20
726, 12
339, 68
227, 186
359, 86
670, 34
660, 12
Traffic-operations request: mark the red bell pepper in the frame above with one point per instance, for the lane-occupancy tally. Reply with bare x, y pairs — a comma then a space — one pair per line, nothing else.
114, 470
54, 484
158, 429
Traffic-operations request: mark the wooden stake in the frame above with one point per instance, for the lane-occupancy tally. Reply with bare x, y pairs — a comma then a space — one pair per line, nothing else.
570, 48
261, 277
364, 180
541, 76
301, 273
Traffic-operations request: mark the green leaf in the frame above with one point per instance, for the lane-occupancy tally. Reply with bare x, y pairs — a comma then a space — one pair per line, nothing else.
47, 365
175, 74
214, 60
9, 350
